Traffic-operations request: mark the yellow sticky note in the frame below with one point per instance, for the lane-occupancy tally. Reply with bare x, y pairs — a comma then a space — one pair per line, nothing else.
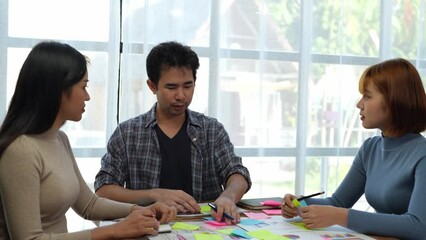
205, 208
266, 235
185, 226
296, 203
300, 224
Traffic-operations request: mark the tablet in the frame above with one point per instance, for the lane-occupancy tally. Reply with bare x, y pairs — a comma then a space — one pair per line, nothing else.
256, 203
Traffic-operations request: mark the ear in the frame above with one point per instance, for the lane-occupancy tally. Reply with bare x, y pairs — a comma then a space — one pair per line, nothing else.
151, 86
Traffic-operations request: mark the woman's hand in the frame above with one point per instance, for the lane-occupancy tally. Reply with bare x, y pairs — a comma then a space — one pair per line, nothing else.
288, 210
318, 216
138, 223
163, 212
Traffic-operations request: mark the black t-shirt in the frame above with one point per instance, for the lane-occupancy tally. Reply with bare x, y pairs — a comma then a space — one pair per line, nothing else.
175, 160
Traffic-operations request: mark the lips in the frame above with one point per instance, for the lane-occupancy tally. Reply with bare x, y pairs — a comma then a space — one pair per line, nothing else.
178, 106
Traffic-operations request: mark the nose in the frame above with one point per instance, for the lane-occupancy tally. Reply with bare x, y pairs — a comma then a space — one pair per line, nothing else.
359, 104
87, 98
180, 93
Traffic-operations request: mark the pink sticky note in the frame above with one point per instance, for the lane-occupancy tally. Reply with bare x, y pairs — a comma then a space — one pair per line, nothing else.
271, 203
216, 223
272, 211
253, 215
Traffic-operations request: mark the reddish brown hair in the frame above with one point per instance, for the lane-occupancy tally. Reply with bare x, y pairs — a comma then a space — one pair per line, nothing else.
405, 98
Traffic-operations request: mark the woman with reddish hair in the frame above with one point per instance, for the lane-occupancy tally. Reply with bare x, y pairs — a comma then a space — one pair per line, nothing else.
389, 169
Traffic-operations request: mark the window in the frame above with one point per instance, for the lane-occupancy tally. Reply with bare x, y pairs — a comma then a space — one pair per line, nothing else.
281, 75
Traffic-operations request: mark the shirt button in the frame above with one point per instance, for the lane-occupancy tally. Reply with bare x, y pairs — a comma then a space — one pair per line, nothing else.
194, 139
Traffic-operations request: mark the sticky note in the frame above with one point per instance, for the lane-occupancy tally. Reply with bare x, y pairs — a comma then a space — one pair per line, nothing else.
207, 236
250, 221
271, 203
240, 233
185, 226
298, 203
216, 223
265, 234
254, 215
272, 211
205, 208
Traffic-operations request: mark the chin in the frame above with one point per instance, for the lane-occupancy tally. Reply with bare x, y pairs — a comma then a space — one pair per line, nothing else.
76, 119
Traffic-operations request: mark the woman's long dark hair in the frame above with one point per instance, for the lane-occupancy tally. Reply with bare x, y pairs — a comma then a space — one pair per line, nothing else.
50, 69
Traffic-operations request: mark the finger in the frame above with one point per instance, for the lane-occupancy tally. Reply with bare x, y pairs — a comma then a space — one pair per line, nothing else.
285, 214
288, 214
190, 208
168, 216
191, 201
180, 208
191, 205
289, 202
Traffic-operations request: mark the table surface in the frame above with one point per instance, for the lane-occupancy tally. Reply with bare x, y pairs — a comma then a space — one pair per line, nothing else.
176, 234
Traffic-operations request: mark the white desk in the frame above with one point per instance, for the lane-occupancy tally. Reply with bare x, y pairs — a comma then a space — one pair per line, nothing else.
275, 224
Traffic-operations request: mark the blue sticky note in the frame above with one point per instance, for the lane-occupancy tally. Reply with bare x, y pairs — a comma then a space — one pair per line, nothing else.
250, 221
240, 233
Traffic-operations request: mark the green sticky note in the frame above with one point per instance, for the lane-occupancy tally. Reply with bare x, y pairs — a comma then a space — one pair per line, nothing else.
266, 235
205, 208
207, 236
296, 203
227, 231
300, 224
185, 226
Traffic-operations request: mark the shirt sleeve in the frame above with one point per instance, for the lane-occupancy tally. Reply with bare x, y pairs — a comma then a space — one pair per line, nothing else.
229, 162
113, 164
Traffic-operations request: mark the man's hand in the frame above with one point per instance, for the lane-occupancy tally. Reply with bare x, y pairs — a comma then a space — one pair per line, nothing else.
183, 202
228, 206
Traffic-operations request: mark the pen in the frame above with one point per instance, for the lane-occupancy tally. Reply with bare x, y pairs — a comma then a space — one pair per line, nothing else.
213, 206
309, 196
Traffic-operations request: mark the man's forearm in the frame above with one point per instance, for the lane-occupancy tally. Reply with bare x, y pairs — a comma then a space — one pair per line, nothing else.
235, 188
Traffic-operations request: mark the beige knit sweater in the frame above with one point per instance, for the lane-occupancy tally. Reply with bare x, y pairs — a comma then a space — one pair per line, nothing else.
39, 182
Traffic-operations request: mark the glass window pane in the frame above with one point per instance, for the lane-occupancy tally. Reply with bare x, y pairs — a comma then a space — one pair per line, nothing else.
333, 115
52, 19
90, 131
260, 25
405, 26
282, 25
278, 181
257, 102
187, 21
346, 27
15, 59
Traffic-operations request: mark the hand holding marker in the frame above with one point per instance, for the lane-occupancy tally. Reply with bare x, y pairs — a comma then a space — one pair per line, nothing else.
214, 207
297, 201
